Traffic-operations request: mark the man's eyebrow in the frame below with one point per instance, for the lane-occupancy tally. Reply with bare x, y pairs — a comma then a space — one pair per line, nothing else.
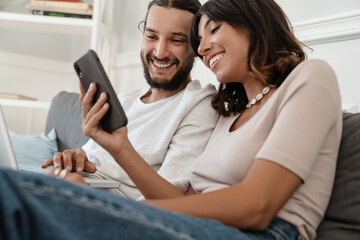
150, 30
179, 34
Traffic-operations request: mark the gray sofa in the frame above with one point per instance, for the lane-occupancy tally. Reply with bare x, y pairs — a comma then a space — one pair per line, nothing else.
65, 115
342, 218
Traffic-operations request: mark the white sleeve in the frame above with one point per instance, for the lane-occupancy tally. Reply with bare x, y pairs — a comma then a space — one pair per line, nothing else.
89, 147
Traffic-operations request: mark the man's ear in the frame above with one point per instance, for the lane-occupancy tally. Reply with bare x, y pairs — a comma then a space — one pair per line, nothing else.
141, 26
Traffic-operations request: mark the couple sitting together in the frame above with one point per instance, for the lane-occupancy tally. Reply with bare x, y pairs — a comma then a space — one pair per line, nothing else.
244, 161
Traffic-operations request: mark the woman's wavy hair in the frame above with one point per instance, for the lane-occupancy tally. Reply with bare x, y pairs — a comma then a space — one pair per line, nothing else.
273, 53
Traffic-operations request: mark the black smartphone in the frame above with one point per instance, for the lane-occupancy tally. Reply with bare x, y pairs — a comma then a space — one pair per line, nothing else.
89, 69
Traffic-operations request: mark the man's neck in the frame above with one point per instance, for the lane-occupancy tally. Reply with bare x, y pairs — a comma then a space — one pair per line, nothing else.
157, 94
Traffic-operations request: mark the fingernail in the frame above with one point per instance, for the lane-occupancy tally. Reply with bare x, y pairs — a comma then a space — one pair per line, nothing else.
68, 168
102, 95
79, 169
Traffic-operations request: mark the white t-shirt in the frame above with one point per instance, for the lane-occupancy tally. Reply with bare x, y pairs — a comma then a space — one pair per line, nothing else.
299, 128
169, 134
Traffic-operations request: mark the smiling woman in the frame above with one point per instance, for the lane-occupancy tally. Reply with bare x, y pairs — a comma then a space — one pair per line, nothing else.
250, 47
265, 47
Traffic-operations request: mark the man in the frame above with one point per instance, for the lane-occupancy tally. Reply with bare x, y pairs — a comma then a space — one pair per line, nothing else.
169, 123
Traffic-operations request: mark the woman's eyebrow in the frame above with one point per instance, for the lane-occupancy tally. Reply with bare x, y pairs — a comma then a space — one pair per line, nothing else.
207, 23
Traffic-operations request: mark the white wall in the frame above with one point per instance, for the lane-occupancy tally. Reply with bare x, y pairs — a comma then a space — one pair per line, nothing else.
332, 29
300, 10
344, 58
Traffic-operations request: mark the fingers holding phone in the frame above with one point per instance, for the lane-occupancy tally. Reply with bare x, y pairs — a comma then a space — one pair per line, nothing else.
87, 98
93, 113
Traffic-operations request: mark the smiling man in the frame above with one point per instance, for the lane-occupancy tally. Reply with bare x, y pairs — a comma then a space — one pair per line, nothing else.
166, 53
170, 121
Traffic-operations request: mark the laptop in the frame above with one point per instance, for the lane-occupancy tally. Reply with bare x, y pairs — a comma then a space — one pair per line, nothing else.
8, 159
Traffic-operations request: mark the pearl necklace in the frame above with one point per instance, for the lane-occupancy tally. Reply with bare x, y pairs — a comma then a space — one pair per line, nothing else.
258, 97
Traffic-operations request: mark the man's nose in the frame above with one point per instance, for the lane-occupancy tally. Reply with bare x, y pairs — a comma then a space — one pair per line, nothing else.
162, 49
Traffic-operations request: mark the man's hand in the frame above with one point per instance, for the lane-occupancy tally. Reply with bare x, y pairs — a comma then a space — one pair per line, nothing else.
71, 159
114, 142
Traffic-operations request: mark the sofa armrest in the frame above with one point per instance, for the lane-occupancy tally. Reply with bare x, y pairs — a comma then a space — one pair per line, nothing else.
65, 115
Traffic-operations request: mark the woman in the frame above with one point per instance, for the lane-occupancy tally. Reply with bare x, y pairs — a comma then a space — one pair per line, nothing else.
267, 171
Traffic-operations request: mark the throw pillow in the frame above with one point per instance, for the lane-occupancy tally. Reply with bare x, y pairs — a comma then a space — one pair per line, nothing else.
32, 150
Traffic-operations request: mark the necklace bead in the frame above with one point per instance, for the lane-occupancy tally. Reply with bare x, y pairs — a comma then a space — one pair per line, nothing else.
258, 97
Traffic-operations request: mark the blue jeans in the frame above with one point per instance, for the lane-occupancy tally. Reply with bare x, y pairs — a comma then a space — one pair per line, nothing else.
35, 206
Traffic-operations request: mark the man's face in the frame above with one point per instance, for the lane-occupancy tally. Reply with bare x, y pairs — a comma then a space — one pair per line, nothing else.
166, 53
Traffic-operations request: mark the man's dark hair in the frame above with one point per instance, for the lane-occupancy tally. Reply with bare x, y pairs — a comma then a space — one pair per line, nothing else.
192, 6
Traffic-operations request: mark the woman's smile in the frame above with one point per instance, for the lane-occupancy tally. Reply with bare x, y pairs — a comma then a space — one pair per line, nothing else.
214, 59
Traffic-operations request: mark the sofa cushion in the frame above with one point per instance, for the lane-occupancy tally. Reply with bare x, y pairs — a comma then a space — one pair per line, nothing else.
342, 217
65, 115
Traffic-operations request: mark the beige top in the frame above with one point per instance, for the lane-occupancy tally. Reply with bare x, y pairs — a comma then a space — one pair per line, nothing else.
299, 128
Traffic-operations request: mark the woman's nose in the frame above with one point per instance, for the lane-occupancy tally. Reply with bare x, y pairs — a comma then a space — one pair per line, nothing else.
204, 47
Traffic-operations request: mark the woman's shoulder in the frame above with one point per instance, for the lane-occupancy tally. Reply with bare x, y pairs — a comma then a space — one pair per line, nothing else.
313, 70
315, 66
315, 77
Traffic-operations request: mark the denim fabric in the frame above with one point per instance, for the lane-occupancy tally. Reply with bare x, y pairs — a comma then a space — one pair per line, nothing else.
35, 206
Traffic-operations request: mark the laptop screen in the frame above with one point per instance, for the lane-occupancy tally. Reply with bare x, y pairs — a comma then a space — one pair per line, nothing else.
7, 156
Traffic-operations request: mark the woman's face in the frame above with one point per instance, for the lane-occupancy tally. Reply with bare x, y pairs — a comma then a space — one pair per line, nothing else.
225, 50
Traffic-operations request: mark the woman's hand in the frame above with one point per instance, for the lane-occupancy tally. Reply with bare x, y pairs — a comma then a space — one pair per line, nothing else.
114, 142
70, 177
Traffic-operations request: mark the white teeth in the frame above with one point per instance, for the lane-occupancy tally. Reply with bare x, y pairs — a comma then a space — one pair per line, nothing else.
159, 65
215, 59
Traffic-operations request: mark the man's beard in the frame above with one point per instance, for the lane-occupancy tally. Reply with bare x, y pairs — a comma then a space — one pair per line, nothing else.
179, 78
